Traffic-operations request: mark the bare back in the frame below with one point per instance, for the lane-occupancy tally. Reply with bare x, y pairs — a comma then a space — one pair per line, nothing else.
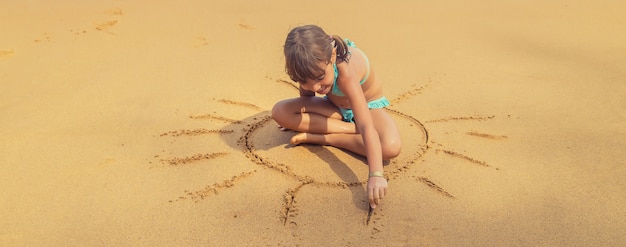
372, 87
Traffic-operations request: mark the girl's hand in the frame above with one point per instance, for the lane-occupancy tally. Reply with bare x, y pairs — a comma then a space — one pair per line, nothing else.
376, 190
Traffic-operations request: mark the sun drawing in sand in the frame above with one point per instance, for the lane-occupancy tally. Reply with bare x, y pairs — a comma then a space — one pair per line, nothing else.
264, 144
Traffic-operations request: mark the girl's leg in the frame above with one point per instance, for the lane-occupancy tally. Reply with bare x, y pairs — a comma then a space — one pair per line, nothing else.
311, 115
385, 126
388, 133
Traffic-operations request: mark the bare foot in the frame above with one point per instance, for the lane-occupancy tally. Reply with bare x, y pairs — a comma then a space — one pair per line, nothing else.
307, 138
298, 138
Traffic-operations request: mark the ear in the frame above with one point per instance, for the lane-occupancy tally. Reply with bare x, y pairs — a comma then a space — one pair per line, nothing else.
333, 56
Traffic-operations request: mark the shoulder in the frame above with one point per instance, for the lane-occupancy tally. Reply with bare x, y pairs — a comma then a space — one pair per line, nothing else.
346, 71
356, 66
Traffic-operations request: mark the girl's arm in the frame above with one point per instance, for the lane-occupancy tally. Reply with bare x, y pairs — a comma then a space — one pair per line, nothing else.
305, 93
377, 186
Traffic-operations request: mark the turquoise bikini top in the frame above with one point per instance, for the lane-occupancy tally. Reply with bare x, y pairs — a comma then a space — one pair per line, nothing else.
336, 90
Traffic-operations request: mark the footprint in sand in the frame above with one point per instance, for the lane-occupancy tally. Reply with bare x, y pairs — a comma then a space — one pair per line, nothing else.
200, 41
245, 26
115, 11
45, 38
104, 26
6, 53
107, 25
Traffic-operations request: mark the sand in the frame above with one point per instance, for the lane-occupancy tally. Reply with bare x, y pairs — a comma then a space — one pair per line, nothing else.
135, 123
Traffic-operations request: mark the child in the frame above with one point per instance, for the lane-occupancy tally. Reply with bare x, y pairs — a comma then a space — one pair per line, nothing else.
351, 115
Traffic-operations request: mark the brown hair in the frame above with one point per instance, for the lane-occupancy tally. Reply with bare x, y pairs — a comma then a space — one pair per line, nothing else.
307, 46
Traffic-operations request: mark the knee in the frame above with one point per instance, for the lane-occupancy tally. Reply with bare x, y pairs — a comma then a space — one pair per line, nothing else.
391, 149
279, 111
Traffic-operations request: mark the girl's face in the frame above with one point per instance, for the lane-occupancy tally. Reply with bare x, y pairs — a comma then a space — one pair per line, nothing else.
324, 83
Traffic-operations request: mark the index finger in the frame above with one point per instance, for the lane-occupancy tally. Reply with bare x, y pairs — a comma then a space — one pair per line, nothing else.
370, 196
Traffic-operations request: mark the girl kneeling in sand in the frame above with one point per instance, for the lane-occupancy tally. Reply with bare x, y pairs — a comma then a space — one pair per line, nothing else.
351, 115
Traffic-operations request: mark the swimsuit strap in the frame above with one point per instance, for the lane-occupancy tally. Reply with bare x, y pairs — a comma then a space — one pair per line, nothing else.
367, 74
351, 43
336, 90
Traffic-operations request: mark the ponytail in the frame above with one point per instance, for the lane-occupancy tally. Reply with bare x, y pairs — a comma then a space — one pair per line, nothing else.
342, 49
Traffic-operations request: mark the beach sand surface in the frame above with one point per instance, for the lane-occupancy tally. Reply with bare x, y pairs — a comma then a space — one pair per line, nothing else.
142, 123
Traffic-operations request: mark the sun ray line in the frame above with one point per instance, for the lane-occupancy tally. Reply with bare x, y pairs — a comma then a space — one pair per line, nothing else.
485, 135
238, 103
289, 203
463, 118
434, 186
176, 161
463, 156
215, 188
210, 116
408, 94
195, 132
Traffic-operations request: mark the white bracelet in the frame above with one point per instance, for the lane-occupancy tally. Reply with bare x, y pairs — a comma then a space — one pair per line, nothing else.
377, 174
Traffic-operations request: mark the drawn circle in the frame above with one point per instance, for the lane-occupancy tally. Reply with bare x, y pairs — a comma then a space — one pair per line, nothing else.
267, 145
